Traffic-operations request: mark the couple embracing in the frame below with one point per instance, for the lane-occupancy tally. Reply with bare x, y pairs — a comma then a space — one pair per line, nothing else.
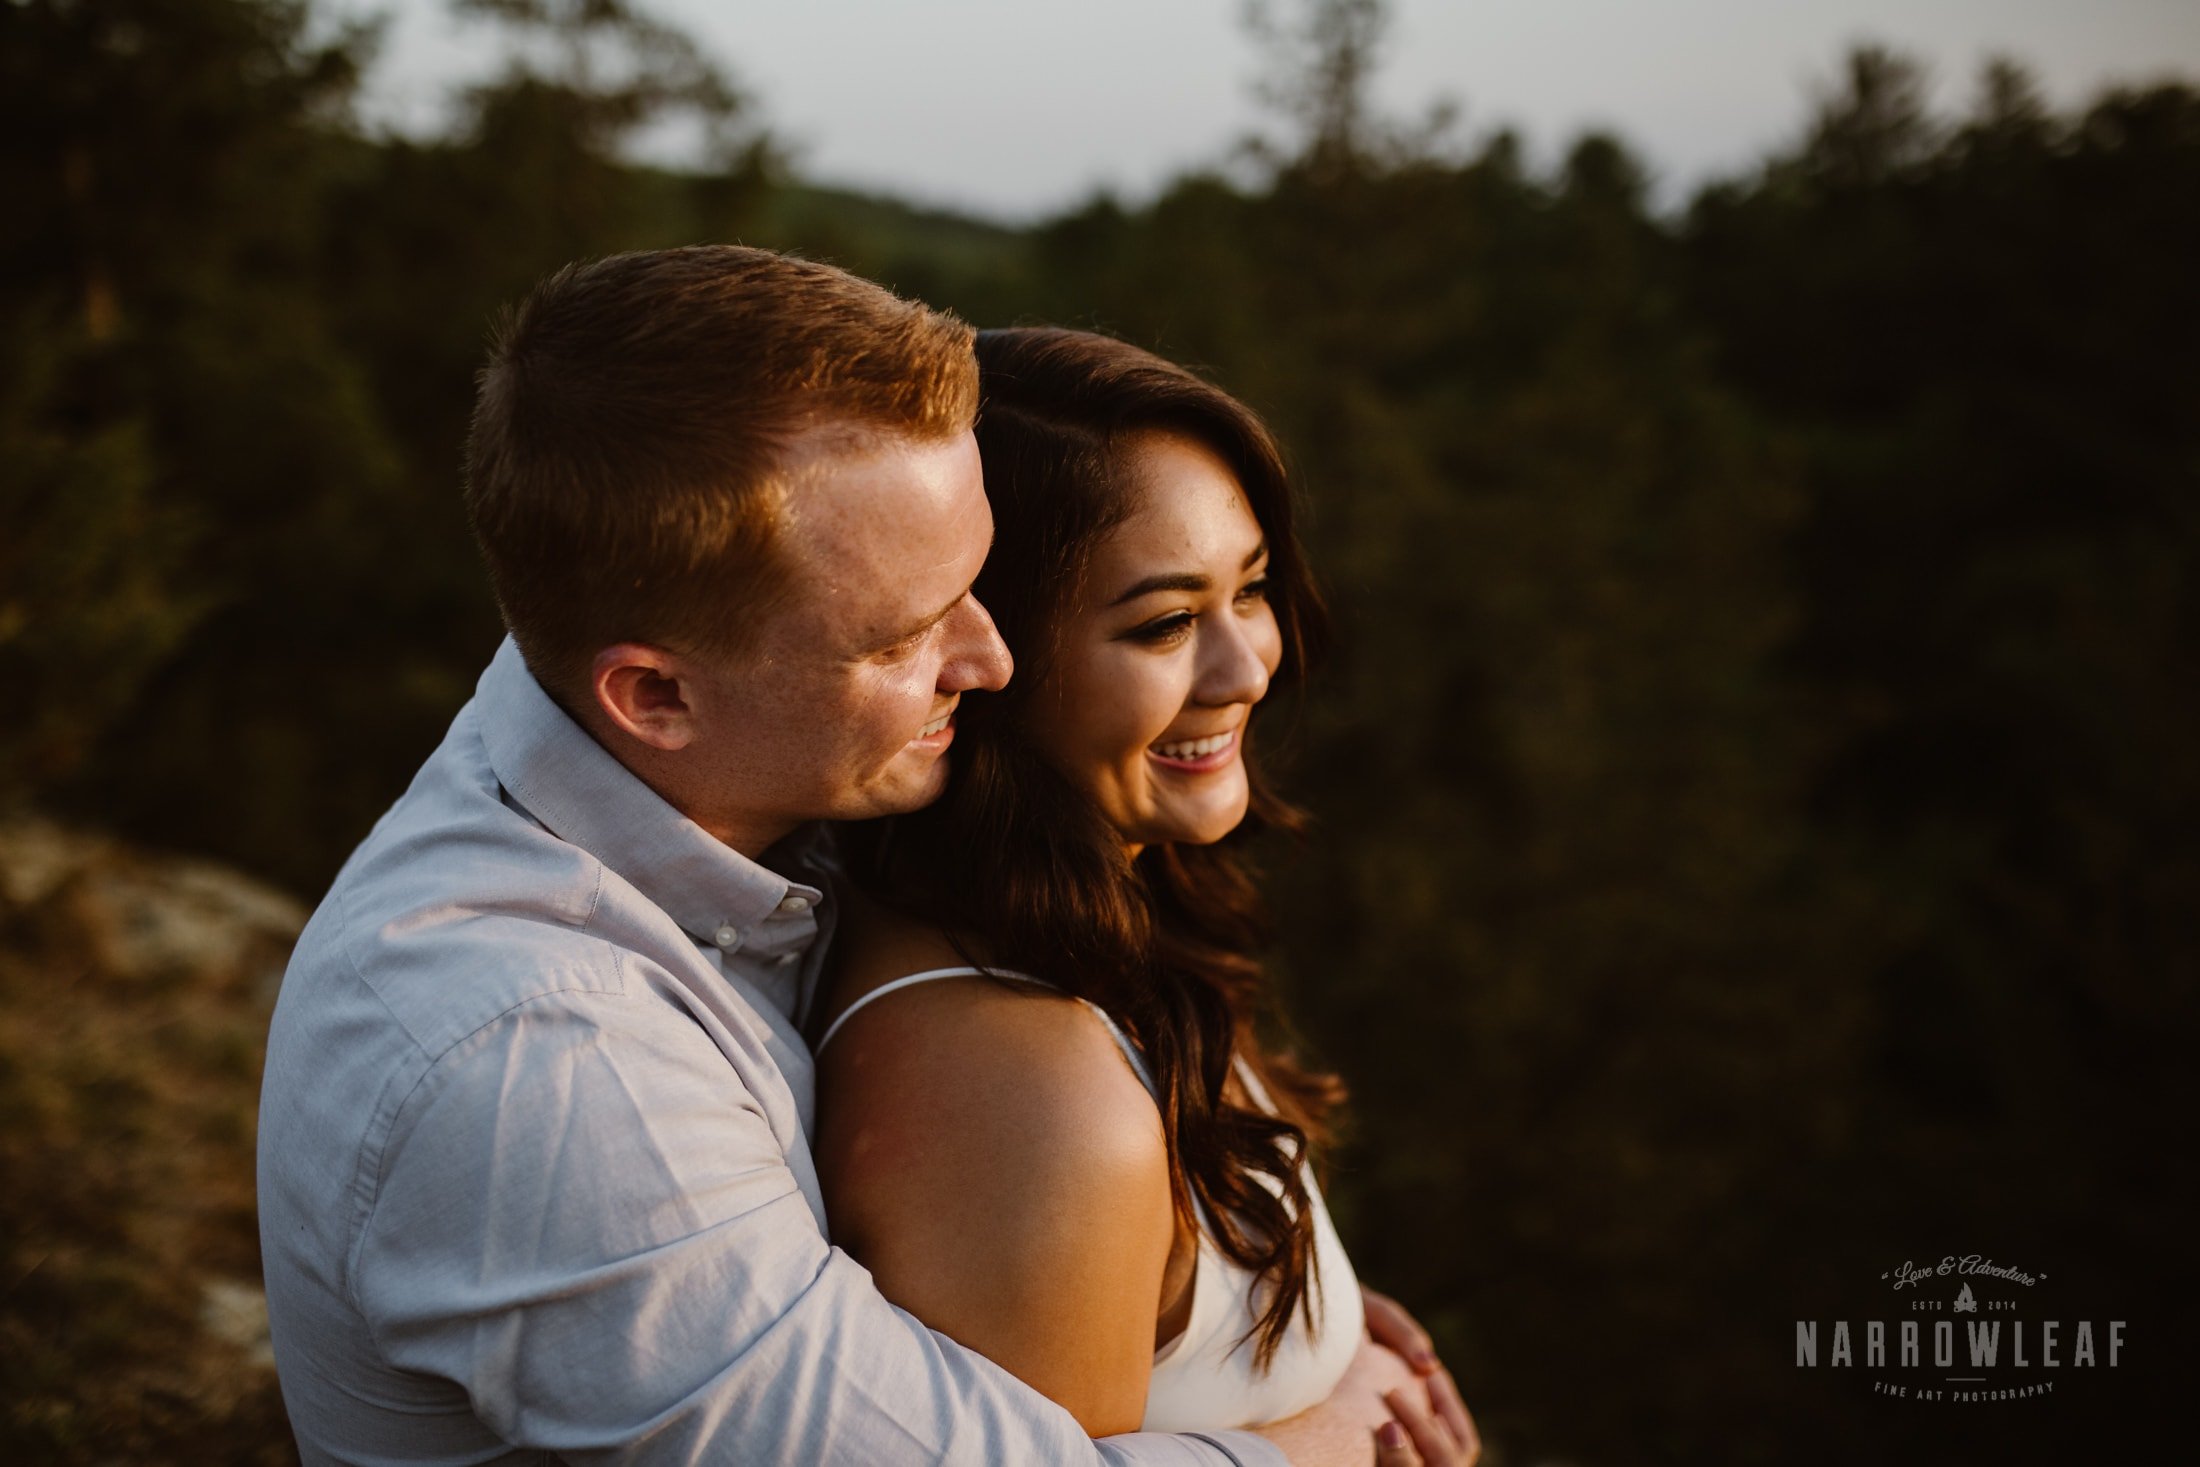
804, 1011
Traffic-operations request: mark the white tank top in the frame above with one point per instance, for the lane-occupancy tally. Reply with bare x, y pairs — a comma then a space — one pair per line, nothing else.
1205, 1379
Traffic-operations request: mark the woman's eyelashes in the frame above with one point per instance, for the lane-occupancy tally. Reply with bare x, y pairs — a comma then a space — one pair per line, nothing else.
1163, 630
1175, 626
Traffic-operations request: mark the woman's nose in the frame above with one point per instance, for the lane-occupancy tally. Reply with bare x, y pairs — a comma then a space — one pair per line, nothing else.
1243, 657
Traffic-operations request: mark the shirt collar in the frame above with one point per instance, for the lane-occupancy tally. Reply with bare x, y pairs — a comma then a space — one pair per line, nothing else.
560, 775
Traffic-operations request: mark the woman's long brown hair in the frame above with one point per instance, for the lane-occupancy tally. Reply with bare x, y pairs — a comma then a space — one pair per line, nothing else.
1021, 869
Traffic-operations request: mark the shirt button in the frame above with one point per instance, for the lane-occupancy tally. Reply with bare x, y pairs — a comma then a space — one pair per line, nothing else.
794, 905
728, 937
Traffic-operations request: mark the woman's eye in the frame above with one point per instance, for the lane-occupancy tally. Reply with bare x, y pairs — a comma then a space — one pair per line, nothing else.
1254, 590
1162, 630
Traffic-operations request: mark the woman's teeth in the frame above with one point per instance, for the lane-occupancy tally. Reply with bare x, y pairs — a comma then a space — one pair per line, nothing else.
937, 724
1195, 748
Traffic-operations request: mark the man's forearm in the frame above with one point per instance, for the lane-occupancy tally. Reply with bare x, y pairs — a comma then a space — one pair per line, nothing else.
1321, 1437
669, 1297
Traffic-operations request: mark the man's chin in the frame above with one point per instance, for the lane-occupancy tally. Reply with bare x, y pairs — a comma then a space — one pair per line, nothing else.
932, 784
909, 787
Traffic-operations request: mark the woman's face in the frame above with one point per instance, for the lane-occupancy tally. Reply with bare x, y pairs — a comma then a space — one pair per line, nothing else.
1164, 655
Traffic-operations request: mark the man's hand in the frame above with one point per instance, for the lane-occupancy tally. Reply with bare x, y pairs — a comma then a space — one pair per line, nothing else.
1431, 1429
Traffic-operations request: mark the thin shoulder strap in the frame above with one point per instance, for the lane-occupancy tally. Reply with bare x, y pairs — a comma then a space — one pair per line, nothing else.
1122, 1040
927, 976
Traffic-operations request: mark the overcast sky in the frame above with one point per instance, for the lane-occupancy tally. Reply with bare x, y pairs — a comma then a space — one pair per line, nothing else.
1019, 107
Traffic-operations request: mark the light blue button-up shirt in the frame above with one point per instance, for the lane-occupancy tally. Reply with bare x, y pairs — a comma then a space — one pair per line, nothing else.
534, 1173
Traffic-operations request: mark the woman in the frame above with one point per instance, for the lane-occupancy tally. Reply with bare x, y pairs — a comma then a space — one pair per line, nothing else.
1047, 1123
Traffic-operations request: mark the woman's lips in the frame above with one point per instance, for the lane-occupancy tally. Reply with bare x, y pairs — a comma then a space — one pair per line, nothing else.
1195, 755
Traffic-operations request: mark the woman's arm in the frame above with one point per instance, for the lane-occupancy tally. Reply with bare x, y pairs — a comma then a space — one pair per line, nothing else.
989, 1155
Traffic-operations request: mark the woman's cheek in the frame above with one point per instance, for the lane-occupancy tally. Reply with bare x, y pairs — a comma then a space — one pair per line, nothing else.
1270, 643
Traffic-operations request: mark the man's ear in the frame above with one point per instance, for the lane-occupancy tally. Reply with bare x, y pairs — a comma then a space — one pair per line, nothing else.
642, 690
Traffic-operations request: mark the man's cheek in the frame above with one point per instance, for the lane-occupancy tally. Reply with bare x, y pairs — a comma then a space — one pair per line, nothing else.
902, 694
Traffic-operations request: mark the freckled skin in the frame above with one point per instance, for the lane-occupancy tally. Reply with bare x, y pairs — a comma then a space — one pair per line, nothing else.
821, 718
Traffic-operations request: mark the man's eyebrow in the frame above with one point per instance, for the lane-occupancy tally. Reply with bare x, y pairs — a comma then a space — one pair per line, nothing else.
895, 639
1183, 580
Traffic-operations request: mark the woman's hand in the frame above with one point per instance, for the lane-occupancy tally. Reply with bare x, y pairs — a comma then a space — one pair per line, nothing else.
1438, 1434
1381, 1401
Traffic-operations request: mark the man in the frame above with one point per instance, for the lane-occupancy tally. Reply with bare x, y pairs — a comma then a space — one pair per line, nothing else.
533, 1175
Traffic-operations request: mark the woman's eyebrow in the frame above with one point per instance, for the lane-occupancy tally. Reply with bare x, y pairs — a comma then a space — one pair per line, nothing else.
1183, 580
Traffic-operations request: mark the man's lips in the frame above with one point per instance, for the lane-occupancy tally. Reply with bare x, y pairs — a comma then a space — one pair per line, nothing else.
937, 734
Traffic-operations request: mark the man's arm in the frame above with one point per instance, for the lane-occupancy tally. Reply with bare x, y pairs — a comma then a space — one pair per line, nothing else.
585, 1224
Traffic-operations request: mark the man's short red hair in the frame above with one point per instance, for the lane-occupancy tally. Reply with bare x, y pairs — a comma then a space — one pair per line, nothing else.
625, 474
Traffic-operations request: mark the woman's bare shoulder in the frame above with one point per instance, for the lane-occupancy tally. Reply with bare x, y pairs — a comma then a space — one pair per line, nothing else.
873, 944
1003, 1057
959, 1072
987, 1151
1001, 1062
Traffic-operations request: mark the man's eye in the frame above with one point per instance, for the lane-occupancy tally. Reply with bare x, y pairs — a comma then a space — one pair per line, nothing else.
902, 650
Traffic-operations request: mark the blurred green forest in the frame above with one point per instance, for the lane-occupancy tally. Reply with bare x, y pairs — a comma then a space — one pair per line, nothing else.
1755, 778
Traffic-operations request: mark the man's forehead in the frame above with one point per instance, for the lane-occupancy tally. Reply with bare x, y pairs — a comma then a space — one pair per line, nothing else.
879, 530
818, 447
868, 477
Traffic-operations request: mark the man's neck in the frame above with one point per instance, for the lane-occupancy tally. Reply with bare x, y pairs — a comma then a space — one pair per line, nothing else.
748, 834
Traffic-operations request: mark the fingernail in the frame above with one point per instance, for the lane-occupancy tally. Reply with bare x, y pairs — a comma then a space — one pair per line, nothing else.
1424, 1360
1391, 1437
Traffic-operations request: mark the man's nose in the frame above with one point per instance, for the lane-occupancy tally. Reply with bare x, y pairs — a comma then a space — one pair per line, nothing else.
979, 659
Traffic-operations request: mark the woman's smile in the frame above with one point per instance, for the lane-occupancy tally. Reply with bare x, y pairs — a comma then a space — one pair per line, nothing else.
1164, 654
1196, 756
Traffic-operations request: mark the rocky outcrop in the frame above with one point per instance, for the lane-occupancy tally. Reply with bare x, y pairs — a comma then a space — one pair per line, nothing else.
134, 994
145, 917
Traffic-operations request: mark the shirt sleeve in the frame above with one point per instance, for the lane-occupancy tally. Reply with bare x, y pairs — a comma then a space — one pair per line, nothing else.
585, 1223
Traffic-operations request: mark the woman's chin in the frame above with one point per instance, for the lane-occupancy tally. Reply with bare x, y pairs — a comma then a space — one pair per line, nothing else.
1197, 827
